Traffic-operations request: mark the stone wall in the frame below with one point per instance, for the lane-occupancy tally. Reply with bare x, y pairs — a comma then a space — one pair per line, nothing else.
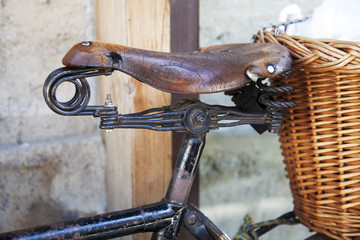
51, 167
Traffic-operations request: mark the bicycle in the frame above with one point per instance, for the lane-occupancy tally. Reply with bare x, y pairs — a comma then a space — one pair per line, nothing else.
236, 69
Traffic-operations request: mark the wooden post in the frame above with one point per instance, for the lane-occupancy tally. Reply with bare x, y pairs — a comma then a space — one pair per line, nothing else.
138, 162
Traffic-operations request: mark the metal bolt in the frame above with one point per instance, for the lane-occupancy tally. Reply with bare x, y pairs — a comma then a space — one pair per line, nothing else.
198, 118
108, 101
86, 43
275, 128
272, 130
191, 219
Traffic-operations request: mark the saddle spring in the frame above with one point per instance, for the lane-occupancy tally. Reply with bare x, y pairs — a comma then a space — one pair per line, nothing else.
78, 104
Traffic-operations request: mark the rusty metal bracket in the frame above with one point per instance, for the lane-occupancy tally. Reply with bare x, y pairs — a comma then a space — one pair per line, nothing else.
201, 226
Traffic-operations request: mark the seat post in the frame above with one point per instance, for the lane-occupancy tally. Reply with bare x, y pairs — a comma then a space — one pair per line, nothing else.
185, 168
181, 181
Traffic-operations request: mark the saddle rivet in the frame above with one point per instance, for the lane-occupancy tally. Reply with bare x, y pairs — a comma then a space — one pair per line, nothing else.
86, 43
270, 68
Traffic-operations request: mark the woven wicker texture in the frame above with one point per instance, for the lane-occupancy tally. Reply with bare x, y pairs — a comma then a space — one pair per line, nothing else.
320, 138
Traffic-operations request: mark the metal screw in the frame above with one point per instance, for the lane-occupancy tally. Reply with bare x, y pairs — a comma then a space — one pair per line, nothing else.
86, 43
191, 219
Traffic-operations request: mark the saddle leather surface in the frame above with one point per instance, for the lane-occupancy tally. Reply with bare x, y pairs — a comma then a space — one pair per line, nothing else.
210, 69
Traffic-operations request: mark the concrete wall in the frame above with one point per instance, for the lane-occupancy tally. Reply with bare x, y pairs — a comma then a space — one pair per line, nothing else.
242, 172
51, 167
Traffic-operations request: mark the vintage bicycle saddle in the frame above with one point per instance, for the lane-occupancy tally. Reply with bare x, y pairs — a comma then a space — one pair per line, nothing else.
210, 69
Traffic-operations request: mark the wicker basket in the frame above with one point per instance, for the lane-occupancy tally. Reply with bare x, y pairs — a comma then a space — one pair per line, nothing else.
320, 138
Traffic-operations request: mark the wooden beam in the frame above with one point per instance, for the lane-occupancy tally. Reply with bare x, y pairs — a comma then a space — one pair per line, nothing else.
149, 28
138, 166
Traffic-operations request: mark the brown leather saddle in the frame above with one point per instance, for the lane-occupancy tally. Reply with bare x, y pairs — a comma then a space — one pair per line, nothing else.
210, 69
